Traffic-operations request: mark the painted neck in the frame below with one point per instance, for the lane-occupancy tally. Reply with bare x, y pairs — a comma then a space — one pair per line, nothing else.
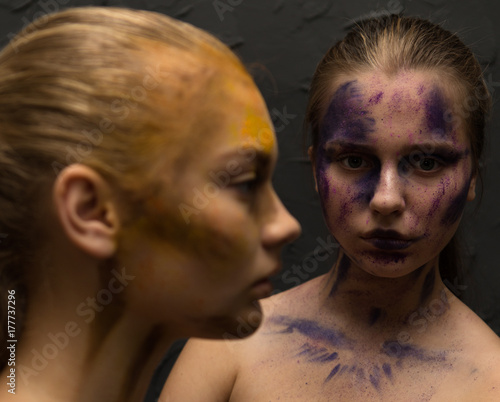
378, 303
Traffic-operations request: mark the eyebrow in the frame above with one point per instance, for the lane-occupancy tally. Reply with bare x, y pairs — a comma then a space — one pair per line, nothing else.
426, 147
261, 158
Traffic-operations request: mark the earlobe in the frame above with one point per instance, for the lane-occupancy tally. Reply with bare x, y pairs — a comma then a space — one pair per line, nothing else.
471, 195
86, 210
310, 153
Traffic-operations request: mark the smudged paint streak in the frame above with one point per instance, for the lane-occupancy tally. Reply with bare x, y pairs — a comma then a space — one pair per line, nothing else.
333, 372
387, 370
315, 354
342, 269
396, 349
375, 100
457, 206
435, 109
344, 118
375, 377
312, 330
367, 186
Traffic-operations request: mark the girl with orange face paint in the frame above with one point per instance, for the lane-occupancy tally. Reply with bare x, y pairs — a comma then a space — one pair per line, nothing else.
136, 159
395, 160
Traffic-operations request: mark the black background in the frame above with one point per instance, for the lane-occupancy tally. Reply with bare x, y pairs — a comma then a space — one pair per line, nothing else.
281, 41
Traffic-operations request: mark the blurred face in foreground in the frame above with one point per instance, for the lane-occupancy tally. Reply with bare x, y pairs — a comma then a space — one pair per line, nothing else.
210, 239
392, 171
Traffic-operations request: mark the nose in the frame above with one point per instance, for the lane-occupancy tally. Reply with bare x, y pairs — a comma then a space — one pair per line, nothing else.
281, 227
388, 198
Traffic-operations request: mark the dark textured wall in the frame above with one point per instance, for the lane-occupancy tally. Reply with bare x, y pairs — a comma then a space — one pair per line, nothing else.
281, 42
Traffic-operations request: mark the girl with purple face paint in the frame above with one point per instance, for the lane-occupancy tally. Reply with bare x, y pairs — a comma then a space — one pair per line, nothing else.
395, 159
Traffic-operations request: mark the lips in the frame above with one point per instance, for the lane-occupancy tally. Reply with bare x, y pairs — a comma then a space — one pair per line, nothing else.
389, 240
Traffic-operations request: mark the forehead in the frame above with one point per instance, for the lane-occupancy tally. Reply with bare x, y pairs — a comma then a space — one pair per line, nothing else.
416, 105
243, 117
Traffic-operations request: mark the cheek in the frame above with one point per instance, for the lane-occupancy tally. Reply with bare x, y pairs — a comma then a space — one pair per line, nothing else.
446, 204
456, 207
339, 199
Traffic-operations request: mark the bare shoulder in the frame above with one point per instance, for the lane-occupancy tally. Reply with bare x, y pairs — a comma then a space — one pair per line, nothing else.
205, 371
480, 353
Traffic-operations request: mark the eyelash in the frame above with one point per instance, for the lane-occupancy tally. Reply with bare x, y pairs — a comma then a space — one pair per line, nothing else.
247, 186
437, 162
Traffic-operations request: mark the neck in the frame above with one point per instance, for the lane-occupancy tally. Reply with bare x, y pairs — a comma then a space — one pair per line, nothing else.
74, 364
82, 342
379, 305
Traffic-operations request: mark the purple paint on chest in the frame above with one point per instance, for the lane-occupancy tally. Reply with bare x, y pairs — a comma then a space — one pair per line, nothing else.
402, 351
312, 330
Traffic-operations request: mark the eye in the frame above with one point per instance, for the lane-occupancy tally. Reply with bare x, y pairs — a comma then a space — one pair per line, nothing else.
424, 163
246, 184
246, 187
353, 162
427, 164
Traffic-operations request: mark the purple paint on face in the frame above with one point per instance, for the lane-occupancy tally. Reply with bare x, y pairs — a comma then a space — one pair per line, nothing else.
375, 100
435, 109
367, 185
457, 206
377, 257
345, 118
438, 199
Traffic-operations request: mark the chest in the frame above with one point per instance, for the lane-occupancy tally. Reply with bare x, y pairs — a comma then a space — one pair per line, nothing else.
307, 370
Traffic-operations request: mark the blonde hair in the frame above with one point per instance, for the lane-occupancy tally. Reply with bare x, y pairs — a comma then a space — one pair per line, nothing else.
106, 87
391, 44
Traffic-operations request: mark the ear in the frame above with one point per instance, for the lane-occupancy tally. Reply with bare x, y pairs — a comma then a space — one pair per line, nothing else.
86, 209
310, 153
472, 189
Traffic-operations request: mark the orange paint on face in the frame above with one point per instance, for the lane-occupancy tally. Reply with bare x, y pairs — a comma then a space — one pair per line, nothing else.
257, 132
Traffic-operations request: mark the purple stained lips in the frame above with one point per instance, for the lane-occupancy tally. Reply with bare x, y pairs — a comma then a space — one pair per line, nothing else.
389, 240
390, 244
